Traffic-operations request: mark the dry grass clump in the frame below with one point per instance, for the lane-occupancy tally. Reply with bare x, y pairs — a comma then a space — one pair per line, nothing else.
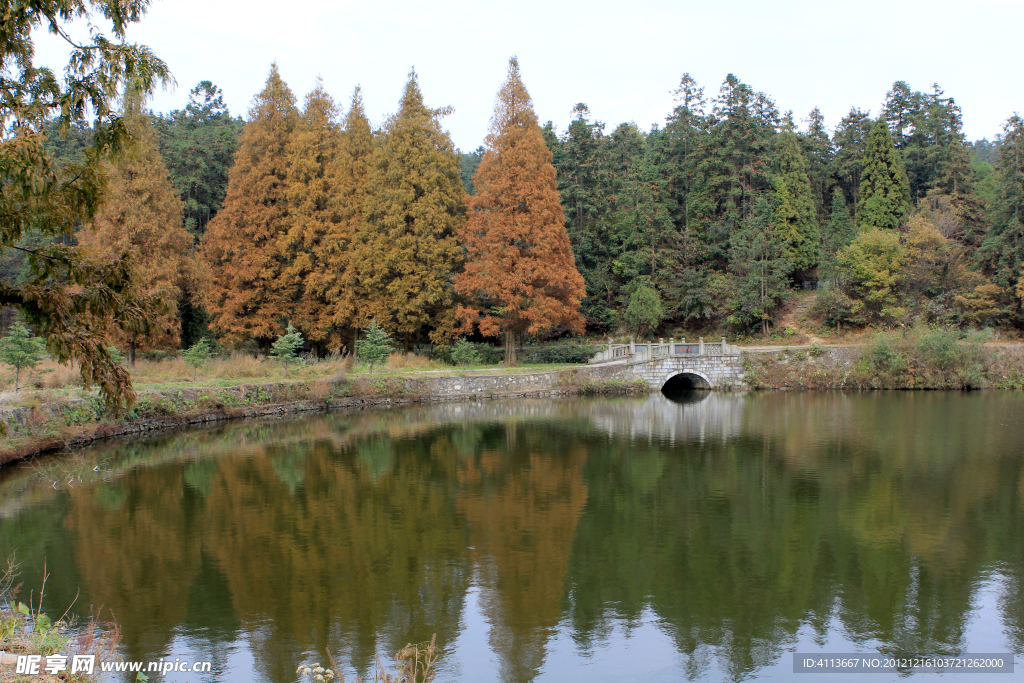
411, 361
414, 664
26, 630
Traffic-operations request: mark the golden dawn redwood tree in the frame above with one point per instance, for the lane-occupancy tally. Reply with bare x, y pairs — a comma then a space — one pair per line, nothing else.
406, 250
311, 186
142, 216
242, 244
520, 273
335, 277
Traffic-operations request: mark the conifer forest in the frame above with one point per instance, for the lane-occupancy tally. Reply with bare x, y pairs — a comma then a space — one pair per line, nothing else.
307, 214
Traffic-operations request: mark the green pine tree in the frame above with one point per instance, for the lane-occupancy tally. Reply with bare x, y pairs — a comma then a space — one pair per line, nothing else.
839, 232
286, 346
197, 356
375, 346
644, 311
793, 203
758, 257
884, 188
20, 349
1002, 250
464, 353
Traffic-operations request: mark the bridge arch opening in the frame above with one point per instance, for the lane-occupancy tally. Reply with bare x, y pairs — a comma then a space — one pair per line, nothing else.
684, 382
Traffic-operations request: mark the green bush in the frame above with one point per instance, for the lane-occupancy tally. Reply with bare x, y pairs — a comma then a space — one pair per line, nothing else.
559, 352
487, 354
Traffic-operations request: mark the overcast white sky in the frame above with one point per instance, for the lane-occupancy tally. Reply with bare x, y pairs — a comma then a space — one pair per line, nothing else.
623, 59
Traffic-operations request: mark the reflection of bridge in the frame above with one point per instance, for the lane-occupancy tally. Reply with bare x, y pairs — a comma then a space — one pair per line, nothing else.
687, 365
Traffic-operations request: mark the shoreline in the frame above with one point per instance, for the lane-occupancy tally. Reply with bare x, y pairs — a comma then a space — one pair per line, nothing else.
76, 423
899, 365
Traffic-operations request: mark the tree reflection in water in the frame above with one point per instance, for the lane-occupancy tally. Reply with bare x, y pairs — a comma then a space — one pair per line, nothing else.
735, 520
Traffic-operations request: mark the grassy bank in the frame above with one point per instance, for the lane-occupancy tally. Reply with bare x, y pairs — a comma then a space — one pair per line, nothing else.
50, 419
40, 426
919, 358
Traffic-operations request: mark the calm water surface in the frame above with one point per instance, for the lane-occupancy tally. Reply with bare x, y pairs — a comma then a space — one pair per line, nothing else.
704, 538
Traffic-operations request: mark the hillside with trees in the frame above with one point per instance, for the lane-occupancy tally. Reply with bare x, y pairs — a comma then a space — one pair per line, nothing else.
305, 215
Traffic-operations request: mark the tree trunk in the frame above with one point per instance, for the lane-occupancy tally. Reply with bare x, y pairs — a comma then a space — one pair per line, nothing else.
131, 353
511, 357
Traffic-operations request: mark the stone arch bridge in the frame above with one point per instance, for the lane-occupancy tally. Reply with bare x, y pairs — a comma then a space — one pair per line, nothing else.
679, 364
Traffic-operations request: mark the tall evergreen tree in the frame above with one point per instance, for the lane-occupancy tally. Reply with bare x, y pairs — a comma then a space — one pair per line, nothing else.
901, 111
1002, 250
884, 188
241, 243
818, 150
142, 216
838, 232
851, 141
686, 131
584, 178
793, 203
758, 257
198, 146
414, 206
739, 156
641, 222
336, 277
520, 270
310, 158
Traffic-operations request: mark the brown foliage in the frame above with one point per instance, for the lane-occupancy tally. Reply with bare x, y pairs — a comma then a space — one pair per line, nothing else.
245, 297
520, 273
142, 216
406, 249
311, 186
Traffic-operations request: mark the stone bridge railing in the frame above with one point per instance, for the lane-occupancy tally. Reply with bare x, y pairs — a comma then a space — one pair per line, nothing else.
634, 352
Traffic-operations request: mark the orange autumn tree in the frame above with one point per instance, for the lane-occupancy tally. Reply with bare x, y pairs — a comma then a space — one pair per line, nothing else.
335, 277
245, 296
311, 189
142, 216
520, 270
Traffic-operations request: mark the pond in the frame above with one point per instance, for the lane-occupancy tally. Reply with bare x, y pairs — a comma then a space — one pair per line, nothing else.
706, 536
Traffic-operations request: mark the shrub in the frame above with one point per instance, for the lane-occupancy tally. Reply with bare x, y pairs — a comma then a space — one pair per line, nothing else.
285, 347
559, 352
20, 349
197, 356
463, 353
375, 347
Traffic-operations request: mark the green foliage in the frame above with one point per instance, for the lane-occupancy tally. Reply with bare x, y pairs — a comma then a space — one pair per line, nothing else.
833, 305
198, 355
405, 252
793, 209
285, 348
644, 311
884, 188
463, 353
55, 200
839, 232
20, 349
1002, 250
375, 346
872, 270
933, 357
758, 257
468, 163
198, 145
559, 352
